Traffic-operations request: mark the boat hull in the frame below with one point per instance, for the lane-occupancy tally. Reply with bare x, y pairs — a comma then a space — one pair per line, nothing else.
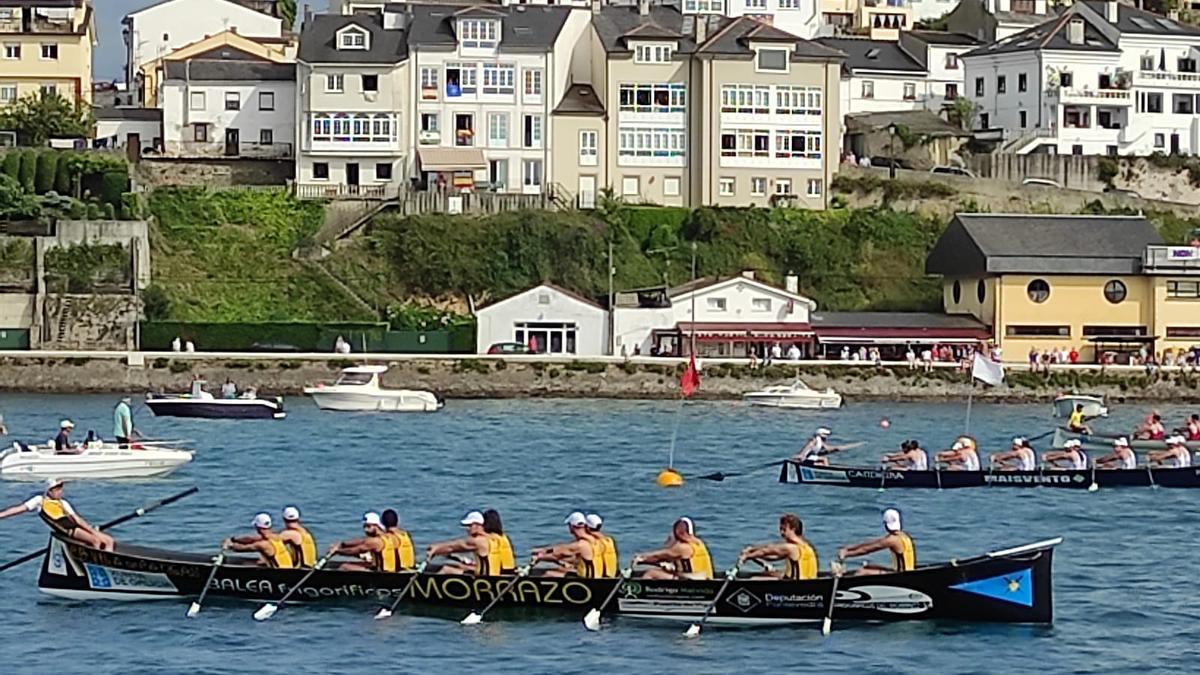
794, 402
1093, 406
108, 462
1009, 587
1105, 442
373, 402
1082, 479
216, 408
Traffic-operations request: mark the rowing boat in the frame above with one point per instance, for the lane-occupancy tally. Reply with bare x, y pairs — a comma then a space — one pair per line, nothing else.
1008, 586
1105, 441
1080, 479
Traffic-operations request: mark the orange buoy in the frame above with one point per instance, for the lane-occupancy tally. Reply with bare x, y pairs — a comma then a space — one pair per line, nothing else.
669, 477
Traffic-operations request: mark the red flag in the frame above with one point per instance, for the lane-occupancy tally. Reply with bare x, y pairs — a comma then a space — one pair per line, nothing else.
689, 382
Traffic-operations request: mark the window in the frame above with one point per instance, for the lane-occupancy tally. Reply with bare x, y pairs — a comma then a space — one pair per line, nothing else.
1024, 118
8, 93
1038, 290
478, 33
461, 79
652, 54
353, 39
532, 131
429, 122
651, 142
320, 171
979, 86
815, 185
957, 291
589, 150
1186, 64
980, 291
333, 83
464, 129
671, 186
985, 120
1038, 331
746, 98
868, 89
951, 92
761, 304
1111, 150
783, 186
952, 62
1001, 84
12, 51
715, 304
1115, 291
629, 186
796, 144
429, 84
1160, 140
1123, 331
772, 60
655, 98
533, 82
726, 186
498, 130
790, 100
233, 100
1077, 149
198, 101
1147, 62
266, 137
200, 133
266, 100
1180, 290
498, 173
1153, 102
1183, 332
1022, 82
499, 78
383, 171
1183, 104
49, 51
48, 89
758, 186
910, 91
370, 83
353, 128
1066, 80
531, 173
747, 143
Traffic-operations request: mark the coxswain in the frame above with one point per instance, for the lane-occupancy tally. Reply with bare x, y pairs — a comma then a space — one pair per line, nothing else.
1076, 423
1192, 428
1176, 455
1021, 457
61, 517
895, 540
265, 542
62, 442
1121, 457
1071, 456
476, 542
500, 541
817, 449
123, 429
402, 546
373, 548
910, 457
577, 557
302, 546
1151, 429
799, 556
685, 551
961, 456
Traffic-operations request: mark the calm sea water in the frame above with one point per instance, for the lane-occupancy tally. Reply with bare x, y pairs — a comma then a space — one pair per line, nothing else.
1123, 578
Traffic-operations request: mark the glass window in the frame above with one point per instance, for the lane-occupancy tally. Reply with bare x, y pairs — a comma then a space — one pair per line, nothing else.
233, 100
910, 91
532, 172
353, 39
758, 186
200, 133
589, 150
499, 78
498, 130
715, 304
1183, 290
198, 100
868, 89
532, 137
383, 171
320, 170
671, 186
12, 51
333, 83
533, 82
429, 84
815, 185
1115, 291
266, 136
1038, 290
370, 83
49, 51
266, 100
761, 304
773, 59
727, 187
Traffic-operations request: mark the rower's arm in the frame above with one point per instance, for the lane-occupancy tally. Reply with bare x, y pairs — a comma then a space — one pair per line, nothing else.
448, 547
767, 552
560, 552
252, 547
865, 548
246, 539
671, 553
358, 546
14, 510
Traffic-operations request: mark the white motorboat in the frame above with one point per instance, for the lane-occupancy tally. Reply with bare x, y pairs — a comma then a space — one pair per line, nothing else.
794, 395
96, 460
358, 389
1093, 406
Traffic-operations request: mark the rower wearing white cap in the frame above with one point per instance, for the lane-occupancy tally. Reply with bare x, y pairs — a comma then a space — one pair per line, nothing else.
266, 543
373, 548
1021, 457
301, 544
817, 449
62, 442
686, 552
476, 542
961, 456
895, 540
1176, 455
577, 556
611, 558
60, 516
1121, 457
1071, 456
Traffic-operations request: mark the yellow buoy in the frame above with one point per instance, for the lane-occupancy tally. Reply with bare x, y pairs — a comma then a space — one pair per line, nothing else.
669, 478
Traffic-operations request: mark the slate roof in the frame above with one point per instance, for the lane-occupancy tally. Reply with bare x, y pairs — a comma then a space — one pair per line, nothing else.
1141, 22
736, 35
530, 28
976, 244
580, 99
318, 42
614, 23
863, 54
129, 114
230, 70
1052, 34
893, 320
937, 37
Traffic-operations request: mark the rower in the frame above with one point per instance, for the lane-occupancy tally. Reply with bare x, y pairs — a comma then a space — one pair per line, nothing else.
817, 449
1193, 428
476, 542
402, 546
911, 457
962, 456
61, 517
1121, 457
896, 540
685, 551
612, 558
500, 541
577, 557
1021, 457
1151, 429
373, 548
1076, 423
799, 554
299, 541
1071, 456
1176, 455
268, 545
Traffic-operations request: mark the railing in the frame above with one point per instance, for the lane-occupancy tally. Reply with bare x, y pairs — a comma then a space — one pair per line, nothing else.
437, 200
1161, 76
343, 191
1103, 94
37, 25
1174, 259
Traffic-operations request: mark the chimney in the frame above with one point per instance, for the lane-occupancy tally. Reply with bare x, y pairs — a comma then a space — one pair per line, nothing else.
644, 7
1110, 11
1075, 31
597, 5
791, 283
748, 274
701, 30
308, 14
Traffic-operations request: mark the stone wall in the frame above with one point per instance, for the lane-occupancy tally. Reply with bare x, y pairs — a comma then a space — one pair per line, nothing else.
158, 172
90, 322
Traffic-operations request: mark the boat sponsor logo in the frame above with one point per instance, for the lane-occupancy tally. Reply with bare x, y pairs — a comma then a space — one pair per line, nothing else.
890, 599
743, 600
631, 589
1015, 588
58, 559
521, 591
103, 578
652, 606
875, 474
809, 474
794, 600
1033, 478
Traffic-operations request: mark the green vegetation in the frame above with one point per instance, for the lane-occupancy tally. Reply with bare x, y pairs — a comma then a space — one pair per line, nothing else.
38, 117
892, 190
70, 185
81, 268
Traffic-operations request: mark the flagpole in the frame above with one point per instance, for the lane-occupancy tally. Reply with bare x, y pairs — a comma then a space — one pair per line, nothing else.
970, 395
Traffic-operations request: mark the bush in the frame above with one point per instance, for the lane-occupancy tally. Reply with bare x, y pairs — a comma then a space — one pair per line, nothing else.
1107, 170
63, 184
12, 164
109, 211
113, 185
47, 166
27, 170
92, 211
131, 206
155, 304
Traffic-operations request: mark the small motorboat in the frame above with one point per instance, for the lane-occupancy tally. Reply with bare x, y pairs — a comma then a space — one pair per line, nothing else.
794, 395
200, 403
358, 389
97, 459
1093, 406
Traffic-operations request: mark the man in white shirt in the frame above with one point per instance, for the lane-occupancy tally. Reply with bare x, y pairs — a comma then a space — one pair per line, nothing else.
793, 353
60, 516
776, 352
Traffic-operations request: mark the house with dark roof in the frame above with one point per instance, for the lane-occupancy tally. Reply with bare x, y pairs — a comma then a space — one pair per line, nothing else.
991, 20
1100, 78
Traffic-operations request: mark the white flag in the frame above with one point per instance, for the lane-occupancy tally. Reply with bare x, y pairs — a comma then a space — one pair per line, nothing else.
987, 371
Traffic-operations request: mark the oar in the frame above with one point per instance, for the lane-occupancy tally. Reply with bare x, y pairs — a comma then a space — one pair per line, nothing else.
591, 620
1094, 486
1150, 472
473, 618
385, 612
827, 625
268, 610
694, 629
110, 524
720, 476
217, 560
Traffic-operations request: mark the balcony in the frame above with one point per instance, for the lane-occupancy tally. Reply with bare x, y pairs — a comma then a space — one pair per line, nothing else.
244, 149
1171, 259
38, 25
1159, 78
1101, 97
344, 191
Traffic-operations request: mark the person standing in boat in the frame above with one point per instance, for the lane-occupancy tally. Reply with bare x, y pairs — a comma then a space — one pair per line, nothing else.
1121, 457
476, 542
685, 551
301, 544
910, 457
402, 546
1071, 456
373, 548
123, 429
799, 556
962, 456
612, 559
1176, 455
895, 540
578, 556
58, 513
1021, 457
265, 542
229, 389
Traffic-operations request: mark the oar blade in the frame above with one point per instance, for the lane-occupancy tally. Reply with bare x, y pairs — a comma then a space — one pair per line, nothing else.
692, 631
193, 610
827, 626
265, 612
383, 613
472, 619
591, 620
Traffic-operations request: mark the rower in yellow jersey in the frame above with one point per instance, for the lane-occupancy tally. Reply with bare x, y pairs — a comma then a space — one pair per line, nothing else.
56, 511
685, 551
374, 549
501, 545
577, 557
402, 546
476, 542
301, 544
265, 542
609, 553
896, 540
799, 556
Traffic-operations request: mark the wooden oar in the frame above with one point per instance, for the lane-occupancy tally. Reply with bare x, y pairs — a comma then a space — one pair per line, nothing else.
591, 620
720, 476
137, 513
268, 610
838, 568
1094, 486
694, 629
385, 612
217, 560
473, 618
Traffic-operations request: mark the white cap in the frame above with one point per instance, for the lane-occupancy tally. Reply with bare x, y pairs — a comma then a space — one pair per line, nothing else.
52, 483
291, 513
262, 521
472, 518
1175, 440
1121, 442
824, 431
958, 445
594, 521
1072, 443
891, 520
576, 519
372, 518
66, 424
1018, 441
690, 525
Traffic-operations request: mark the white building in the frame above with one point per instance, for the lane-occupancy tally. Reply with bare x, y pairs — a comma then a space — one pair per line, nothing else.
731, 316
1103, 78
120, 127
238, 106
154, 32
553, 319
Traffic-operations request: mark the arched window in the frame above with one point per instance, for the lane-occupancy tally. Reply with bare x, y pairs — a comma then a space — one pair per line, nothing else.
981, 291
957, 292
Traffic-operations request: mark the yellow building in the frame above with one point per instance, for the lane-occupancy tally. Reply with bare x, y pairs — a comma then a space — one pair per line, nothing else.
1097, 284
47, 47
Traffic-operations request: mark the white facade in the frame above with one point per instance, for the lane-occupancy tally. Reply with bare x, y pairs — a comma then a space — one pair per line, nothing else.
923, 10
557, 321
232, 118
116, 132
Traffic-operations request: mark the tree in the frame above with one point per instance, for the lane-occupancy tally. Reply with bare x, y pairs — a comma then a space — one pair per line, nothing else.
15, 203
43, 178
39, 117
286, 9
27, 170
962, 112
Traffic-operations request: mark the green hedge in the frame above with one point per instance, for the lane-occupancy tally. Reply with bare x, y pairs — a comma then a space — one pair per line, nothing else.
308, 337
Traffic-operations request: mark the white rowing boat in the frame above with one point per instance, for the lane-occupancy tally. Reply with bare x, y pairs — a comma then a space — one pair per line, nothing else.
98, 460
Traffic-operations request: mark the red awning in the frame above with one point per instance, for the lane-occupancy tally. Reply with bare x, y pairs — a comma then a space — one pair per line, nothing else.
914, 333
746, 332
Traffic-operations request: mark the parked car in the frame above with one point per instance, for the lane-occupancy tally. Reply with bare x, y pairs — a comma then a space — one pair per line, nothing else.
508, 348
952, 171
1122, 192
886, 161
273, 347
1043, 182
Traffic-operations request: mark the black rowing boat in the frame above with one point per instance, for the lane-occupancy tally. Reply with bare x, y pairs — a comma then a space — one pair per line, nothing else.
1009, 586
1079, 479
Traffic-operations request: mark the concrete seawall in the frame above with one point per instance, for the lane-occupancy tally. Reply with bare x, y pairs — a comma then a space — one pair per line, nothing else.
468, 376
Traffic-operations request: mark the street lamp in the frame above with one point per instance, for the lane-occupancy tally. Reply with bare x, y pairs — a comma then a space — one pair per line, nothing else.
892, 151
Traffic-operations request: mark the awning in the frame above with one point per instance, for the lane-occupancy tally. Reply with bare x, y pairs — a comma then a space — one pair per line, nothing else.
451, 159
1122, 339
836, 340
745, 332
